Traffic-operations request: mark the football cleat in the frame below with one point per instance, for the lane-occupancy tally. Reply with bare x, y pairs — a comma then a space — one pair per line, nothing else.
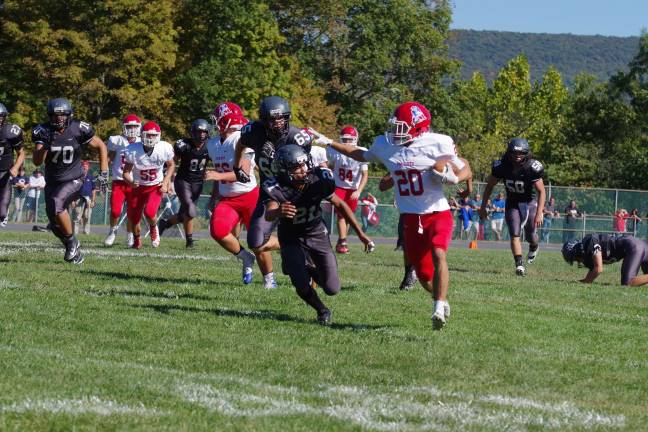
409, 280
137, 242
155, 237
342, 248
438, 320
531, 256
190, 244
78, 258
446, 310
110, 239
4, 222
269, 282
520, 270
248, 259
72, 249
324, 317
130, 239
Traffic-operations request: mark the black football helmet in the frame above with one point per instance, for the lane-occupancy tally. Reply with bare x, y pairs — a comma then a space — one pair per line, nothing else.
3, 114
274, 113
197, 128
287, 159
572, 250
518, 150
59, 111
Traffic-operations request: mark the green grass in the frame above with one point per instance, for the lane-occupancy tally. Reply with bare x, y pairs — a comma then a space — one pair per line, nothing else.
160, 342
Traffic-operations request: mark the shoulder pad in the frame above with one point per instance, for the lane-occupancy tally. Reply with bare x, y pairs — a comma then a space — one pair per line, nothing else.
15, 131
497, 163
536, 166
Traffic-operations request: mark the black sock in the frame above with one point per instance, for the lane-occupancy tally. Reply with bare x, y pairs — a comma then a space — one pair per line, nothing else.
189, 237
312, 299
518, 260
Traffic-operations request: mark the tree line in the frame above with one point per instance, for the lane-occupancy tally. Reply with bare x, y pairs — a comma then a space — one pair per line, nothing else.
342, 61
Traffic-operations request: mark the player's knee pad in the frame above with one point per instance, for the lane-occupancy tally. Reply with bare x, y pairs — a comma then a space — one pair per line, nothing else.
191, 210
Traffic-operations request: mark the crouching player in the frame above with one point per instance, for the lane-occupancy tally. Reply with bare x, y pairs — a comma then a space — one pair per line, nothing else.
294, 198
420, 162
237, 200
143, 171
598, 249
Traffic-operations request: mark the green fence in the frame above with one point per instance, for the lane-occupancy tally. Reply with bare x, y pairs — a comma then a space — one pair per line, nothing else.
597, 207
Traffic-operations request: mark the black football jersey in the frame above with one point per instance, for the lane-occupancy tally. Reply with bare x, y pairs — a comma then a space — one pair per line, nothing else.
192, 160
518, 180
254, 136
320, 186
11, 139
611, 246
63, 160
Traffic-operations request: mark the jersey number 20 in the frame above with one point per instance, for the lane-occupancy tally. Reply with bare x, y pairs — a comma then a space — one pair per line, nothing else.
409, 182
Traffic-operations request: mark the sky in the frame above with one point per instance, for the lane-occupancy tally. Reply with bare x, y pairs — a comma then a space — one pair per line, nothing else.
580, 17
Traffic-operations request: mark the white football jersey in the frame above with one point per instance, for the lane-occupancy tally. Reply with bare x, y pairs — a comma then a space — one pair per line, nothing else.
118, 144
346, 171
418, 191
148, 169
318, 154
222, 156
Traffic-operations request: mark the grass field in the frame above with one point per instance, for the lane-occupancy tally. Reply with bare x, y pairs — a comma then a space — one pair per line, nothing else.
169, 340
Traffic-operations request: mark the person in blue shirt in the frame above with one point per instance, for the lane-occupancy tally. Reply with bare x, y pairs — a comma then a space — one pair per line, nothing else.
498, 207
466, 214
477, 223
86, 202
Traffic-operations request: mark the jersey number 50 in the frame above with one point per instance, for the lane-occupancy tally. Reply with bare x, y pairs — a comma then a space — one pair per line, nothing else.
409, 182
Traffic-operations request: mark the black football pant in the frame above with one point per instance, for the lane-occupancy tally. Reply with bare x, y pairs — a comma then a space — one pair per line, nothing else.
522, 215
307, 255
188, 194
636, 256
5, 194
260, 229
58, 197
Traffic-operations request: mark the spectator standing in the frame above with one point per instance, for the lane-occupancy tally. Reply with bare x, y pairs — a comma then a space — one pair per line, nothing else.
571, 214
86, 202
466, 214
476, 221
635, 222
549, 213
498, 207
36, 185
619, 220
368, 213
20, 185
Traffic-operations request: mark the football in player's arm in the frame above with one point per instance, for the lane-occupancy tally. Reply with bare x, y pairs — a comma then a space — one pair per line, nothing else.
294, 199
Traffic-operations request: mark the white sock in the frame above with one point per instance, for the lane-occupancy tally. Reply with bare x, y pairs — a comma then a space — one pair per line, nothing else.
438, 306
268, 276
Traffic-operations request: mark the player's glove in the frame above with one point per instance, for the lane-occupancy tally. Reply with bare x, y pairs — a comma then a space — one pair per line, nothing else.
446, 176
370, 247
241, 176
320, 139
103, 181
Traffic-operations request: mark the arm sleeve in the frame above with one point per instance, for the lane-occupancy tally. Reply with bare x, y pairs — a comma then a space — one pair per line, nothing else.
86, 132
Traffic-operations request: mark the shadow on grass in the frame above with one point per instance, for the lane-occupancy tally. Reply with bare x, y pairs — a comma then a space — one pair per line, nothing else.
135, 293
111, 275
258, 314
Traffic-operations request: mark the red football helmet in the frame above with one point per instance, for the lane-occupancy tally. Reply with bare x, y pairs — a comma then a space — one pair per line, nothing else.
225, 109
132, 126
151, 134
410, 120
349, 135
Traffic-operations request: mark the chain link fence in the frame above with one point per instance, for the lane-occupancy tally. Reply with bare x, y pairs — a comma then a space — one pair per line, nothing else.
596, 206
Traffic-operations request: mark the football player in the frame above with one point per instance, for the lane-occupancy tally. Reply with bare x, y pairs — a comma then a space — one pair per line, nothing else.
11, 140
350, 179
192, 155
59, 144
265, 136
525, 194
294, 199
144, 167
237, 200
117, 146
419, 162
598, 249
